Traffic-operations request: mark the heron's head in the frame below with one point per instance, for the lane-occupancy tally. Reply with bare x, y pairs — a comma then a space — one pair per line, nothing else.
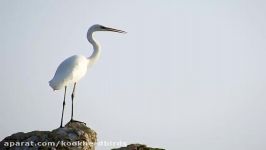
98, 27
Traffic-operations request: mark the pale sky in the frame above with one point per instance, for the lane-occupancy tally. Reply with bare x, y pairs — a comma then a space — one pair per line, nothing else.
188, 75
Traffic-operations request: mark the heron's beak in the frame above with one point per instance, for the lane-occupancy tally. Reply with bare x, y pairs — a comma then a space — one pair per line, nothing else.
114, 30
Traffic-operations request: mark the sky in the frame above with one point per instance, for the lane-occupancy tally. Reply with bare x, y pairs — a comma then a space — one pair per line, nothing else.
188, 74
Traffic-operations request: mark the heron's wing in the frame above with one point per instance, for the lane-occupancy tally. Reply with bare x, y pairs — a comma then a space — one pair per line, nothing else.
69, 71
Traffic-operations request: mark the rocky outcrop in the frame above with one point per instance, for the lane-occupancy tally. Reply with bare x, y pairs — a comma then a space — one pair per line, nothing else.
137, 147
74, 136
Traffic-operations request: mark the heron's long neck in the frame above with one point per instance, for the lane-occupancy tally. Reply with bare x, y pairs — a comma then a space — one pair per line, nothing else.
96, 48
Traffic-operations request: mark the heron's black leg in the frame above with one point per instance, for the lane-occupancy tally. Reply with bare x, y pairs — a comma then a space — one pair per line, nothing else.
64, 103
72, 97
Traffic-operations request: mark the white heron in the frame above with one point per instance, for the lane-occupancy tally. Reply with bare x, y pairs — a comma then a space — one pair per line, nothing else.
72, 69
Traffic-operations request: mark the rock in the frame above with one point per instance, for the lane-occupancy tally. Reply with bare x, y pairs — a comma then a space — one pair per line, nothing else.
137, 147
74, 136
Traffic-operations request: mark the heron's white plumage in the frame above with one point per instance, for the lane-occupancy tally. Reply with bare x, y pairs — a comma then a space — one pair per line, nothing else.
71, 70
75, 67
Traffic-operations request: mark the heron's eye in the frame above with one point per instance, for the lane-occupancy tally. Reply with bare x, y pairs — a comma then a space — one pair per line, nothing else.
103, 27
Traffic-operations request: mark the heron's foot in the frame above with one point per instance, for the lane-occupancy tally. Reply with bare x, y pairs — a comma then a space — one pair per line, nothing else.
72, 120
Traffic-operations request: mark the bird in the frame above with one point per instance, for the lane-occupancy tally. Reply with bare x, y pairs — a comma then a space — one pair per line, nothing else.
72, 69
